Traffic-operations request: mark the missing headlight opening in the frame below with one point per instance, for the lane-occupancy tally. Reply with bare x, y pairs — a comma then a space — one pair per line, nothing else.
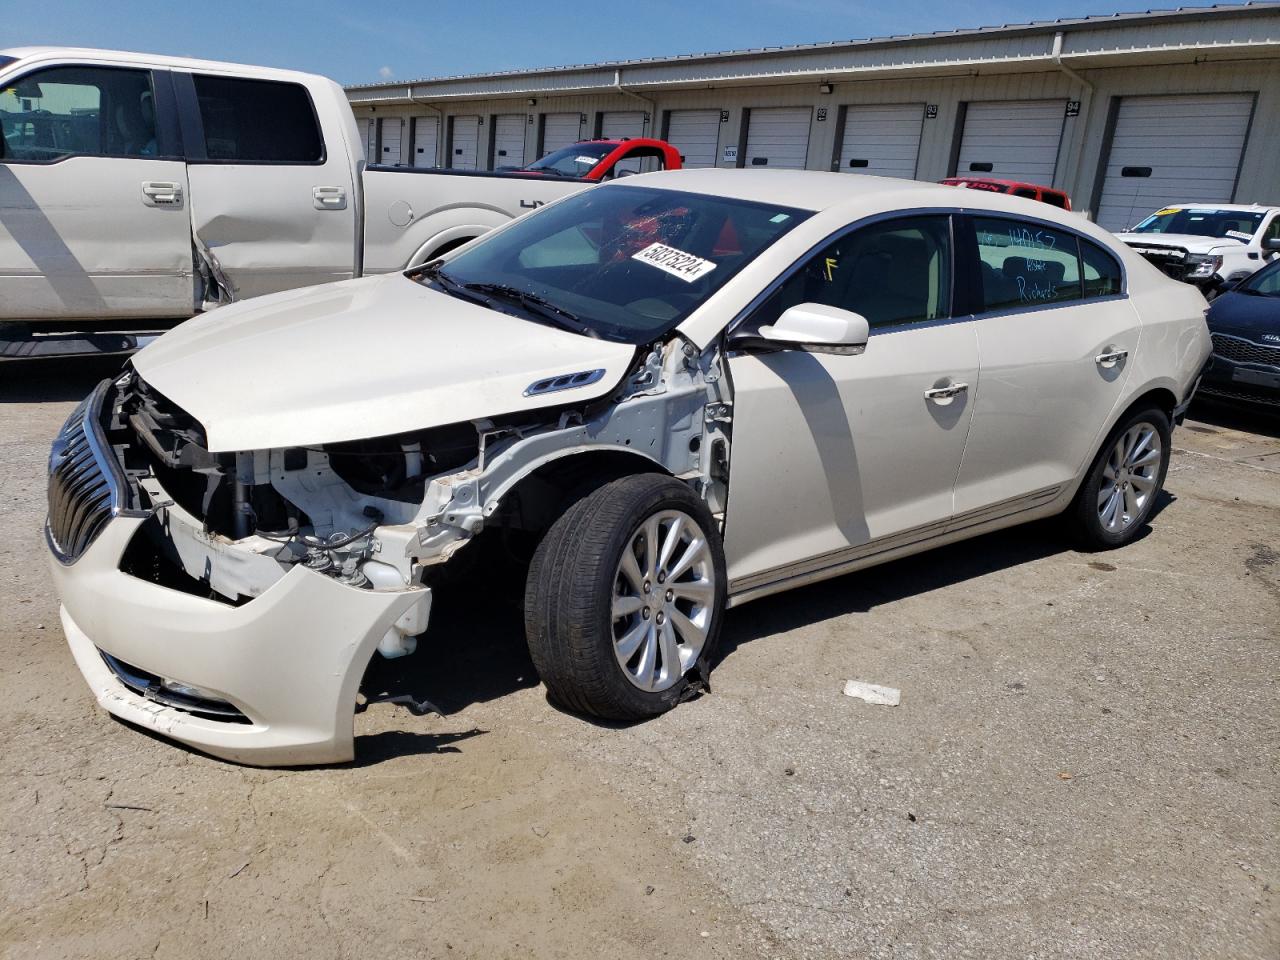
384, 514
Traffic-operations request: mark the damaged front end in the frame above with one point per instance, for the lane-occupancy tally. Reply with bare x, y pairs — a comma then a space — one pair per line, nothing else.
256, 584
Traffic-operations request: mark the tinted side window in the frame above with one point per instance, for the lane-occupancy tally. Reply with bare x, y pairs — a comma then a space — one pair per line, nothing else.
1054, 199
1024, 192
1024, 263
894, 272
258, 121
1101, 271
79, 111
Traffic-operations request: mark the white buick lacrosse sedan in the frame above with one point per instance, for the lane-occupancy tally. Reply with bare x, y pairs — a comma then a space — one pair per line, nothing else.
676, 393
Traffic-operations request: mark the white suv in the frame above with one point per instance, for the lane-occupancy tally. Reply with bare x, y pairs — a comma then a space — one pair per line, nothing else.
675, 393
1211, 245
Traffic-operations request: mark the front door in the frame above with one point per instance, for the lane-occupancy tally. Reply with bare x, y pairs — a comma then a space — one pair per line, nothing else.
1057, 338
273, 205
835, 456
94, 200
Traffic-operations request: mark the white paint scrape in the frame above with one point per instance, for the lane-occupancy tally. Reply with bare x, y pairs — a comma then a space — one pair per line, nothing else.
873, 693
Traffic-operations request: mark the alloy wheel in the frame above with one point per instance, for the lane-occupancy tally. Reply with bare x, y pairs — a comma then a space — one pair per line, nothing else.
1129, 478
664, 594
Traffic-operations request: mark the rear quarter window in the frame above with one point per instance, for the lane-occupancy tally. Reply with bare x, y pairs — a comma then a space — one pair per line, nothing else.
1102, 275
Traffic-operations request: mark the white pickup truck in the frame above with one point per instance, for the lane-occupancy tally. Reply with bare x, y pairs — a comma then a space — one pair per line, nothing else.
1212, 245
137, 191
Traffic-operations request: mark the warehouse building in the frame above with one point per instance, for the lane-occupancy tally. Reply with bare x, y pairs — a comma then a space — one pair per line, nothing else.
1126, 113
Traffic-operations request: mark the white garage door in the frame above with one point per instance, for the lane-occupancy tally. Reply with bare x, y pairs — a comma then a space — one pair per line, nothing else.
426, 134
616, 124
466, 143
1165, 150
508, 140
882, 140
696, 134
1012, 139
392, 136
778, 137
560, 130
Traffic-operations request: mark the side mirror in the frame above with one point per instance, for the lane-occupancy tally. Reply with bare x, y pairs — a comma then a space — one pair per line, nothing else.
815, 328
1271, 245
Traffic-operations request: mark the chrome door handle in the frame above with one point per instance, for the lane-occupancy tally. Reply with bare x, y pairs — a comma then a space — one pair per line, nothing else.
329, 198
161, 193
946, 394
1110, 357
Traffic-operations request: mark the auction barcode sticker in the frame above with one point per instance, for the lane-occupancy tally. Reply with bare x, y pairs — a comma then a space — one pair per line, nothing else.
686, 266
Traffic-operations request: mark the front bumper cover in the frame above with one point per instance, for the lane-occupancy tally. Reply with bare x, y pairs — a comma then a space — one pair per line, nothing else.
290, 660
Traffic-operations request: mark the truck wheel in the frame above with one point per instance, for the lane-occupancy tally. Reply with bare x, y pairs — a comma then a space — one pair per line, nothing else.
1120, 490
624, 599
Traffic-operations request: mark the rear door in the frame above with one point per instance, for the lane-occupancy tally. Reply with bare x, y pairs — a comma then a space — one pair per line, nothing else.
1056, 353
272, 204
94, 215
777, 137
1171, 150
1012, 139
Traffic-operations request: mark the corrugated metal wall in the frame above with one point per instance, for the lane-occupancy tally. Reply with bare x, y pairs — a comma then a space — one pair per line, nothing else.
1084, 131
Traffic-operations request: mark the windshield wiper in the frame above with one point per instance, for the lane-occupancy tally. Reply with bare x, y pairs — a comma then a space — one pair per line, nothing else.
535, 304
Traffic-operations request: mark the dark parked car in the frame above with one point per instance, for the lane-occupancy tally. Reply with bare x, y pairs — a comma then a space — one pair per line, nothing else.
1245, 324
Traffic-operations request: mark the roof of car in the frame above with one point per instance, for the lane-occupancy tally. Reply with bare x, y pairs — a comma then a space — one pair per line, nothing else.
91, 55
802, 189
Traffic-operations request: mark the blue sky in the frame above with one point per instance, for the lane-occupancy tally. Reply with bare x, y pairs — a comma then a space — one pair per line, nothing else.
356, 42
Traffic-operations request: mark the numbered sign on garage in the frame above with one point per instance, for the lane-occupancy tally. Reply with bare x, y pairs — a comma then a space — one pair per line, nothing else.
882, 140
465, 143
1164, 150
696, 134
777, 138
392, 136
560, 130
426, 135
508, 140
1012, 140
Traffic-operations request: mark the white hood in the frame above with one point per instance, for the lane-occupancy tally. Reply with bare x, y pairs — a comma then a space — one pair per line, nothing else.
1191, 242
363, 358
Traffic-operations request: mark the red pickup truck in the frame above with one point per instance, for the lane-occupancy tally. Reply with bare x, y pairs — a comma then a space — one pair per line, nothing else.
1018, 188
605, 159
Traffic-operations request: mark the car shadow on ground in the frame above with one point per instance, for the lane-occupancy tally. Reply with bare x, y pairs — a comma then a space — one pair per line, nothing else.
56, 379
1233, 416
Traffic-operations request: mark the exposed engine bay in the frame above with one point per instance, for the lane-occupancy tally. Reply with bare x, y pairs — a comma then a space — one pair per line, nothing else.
384, 513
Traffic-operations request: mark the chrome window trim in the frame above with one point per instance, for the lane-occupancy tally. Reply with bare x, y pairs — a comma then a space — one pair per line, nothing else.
835, 235
952, 213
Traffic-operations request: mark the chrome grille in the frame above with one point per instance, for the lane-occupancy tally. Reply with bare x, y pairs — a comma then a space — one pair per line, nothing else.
1239, 350
83, 492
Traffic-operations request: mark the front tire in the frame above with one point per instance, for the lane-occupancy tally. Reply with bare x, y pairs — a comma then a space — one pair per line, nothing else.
1122, 485
624, 599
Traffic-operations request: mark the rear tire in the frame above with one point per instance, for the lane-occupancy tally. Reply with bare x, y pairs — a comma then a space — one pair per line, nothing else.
624, 599
1123, 483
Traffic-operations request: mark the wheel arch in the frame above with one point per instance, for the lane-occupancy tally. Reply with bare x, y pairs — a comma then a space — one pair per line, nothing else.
540, 493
